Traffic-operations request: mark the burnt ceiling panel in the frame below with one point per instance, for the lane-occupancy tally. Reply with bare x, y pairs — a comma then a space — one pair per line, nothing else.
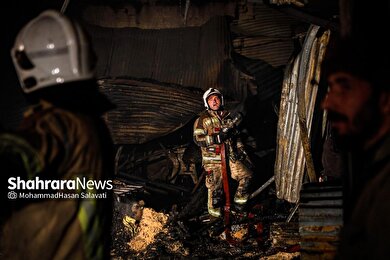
151, 14
190, 57
146, 110
266, 34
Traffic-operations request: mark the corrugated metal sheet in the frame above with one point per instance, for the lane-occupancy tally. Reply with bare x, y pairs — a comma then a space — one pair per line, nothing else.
153, 14
268, 79
191, 56
320, 220
266, 34
148, 110
290, 157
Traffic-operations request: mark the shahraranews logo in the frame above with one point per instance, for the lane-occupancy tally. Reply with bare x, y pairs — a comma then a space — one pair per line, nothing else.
77, 184
90, 188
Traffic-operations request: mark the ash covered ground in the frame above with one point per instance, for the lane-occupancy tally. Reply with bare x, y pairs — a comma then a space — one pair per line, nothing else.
147, 226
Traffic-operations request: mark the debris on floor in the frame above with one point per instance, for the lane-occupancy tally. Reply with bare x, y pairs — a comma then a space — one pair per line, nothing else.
151, 224
186, 230
282, 256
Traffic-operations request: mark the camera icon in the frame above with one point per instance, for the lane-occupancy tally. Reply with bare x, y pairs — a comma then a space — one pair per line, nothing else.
12, 195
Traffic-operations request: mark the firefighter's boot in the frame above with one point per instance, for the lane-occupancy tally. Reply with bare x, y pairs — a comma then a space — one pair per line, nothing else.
213, 203
242, 194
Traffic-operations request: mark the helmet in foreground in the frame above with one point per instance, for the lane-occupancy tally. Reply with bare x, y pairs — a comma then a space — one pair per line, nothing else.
51, 49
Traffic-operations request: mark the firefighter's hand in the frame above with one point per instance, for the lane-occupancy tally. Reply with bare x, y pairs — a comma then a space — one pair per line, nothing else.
222, 136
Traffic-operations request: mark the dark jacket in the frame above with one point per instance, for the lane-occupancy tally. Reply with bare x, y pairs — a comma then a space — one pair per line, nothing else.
367, 230
58, 144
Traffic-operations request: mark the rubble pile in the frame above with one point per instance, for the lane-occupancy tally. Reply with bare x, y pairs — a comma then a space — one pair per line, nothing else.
171, 234
151, 224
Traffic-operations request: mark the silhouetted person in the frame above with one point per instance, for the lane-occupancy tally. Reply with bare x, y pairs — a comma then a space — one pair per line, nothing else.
358, 105
62, 137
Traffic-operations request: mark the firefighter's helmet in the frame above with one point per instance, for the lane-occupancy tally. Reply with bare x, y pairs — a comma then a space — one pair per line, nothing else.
208, 93
51, 49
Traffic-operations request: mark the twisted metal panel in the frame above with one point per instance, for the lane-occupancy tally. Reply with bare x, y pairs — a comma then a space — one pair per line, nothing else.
302, 74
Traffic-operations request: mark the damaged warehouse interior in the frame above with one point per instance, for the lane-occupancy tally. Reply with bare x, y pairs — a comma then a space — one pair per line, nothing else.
155, 60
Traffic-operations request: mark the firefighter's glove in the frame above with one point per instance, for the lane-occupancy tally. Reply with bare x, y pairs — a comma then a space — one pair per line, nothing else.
223, 135
236, 118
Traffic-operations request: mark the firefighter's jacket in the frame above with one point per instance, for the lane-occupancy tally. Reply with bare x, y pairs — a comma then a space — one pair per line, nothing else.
206, 127
56, 144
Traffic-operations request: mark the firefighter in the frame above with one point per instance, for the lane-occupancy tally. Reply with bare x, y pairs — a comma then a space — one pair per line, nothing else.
61, 137
215, 131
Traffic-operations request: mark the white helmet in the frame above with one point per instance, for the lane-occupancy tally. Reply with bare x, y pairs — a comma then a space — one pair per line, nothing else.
208, 93
51, 49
